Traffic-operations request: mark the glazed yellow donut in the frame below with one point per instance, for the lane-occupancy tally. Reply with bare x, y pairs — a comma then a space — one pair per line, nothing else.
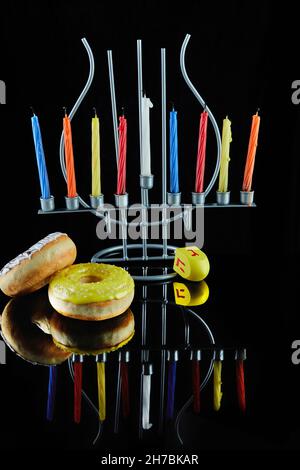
91, 291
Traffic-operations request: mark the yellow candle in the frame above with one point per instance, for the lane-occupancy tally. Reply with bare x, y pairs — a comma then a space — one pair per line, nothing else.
101, 390
96, 180
217, 385
226, 139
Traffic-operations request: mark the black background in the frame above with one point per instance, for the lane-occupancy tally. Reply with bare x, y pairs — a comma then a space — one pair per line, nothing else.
242, 56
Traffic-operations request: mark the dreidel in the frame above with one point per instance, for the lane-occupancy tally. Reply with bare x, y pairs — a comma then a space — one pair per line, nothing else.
190, 293
191, 263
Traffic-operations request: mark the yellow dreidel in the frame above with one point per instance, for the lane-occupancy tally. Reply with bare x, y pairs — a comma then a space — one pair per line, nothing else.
190, 293
191, 263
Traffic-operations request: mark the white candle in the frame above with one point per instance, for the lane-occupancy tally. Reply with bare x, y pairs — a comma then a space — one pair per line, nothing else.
146, 151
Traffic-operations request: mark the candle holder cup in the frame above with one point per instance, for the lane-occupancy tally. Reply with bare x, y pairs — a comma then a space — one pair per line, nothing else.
174, 199
223, 198
72, 203
172, 356
96, 201
146, 181
147, 368
121, 200
198, 199
246, 197
124, 356
101, 357
47, 204
240, 355
219, 355
195, 355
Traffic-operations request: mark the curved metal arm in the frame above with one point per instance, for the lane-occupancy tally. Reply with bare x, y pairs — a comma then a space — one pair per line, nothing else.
203, 104
75, 108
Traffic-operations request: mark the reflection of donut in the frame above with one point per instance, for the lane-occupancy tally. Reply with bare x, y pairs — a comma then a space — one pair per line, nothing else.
20, 331
91, 291
86, 337
32, 269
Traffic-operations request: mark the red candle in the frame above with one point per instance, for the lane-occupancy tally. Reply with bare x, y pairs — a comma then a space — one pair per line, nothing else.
69, 157
201, 153
121, 183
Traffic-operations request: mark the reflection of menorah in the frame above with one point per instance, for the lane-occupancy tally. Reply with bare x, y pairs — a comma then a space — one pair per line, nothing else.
170, 341
169, 200
160, 365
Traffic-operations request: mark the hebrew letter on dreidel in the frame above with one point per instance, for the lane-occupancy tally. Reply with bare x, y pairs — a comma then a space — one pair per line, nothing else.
190, 293
191, 263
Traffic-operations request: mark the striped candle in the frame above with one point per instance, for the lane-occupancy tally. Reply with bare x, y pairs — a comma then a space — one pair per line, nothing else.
96, 173
201, 154
40, 158
121, 183
69, 157
174, 181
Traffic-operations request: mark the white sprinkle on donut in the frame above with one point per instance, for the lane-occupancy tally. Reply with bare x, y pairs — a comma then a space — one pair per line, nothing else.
28, 253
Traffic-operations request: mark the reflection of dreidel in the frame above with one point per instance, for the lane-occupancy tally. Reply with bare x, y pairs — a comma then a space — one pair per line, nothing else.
191, 263
190, 293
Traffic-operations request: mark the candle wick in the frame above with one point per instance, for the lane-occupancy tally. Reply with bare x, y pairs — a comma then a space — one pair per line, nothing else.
65, 110
123, 111
32, 110
95, 111
258, 109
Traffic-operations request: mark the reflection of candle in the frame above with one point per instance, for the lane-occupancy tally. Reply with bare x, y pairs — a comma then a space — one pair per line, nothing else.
101, 390
69, 157
201, 153
226, 139
217, 385
146, 150
249, 167
96, 179
40, 157
121, 184
174, 183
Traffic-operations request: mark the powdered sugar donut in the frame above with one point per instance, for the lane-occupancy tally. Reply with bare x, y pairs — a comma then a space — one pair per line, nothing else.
32, 269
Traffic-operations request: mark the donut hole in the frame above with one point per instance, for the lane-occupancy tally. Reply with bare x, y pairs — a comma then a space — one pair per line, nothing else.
89, 279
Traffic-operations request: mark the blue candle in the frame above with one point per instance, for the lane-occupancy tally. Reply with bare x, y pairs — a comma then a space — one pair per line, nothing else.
40, 157
174, 181
51, 392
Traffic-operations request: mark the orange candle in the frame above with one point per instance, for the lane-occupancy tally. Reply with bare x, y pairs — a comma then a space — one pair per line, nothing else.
69, 157
249, 167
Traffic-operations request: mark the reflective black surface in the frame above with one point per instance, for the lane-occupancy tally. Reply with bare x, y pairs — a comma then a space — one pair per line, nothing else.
160, 326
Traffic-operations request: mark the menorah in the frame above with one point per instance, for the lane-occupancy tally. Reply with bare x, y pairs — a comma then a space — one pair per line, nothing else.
170, 201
